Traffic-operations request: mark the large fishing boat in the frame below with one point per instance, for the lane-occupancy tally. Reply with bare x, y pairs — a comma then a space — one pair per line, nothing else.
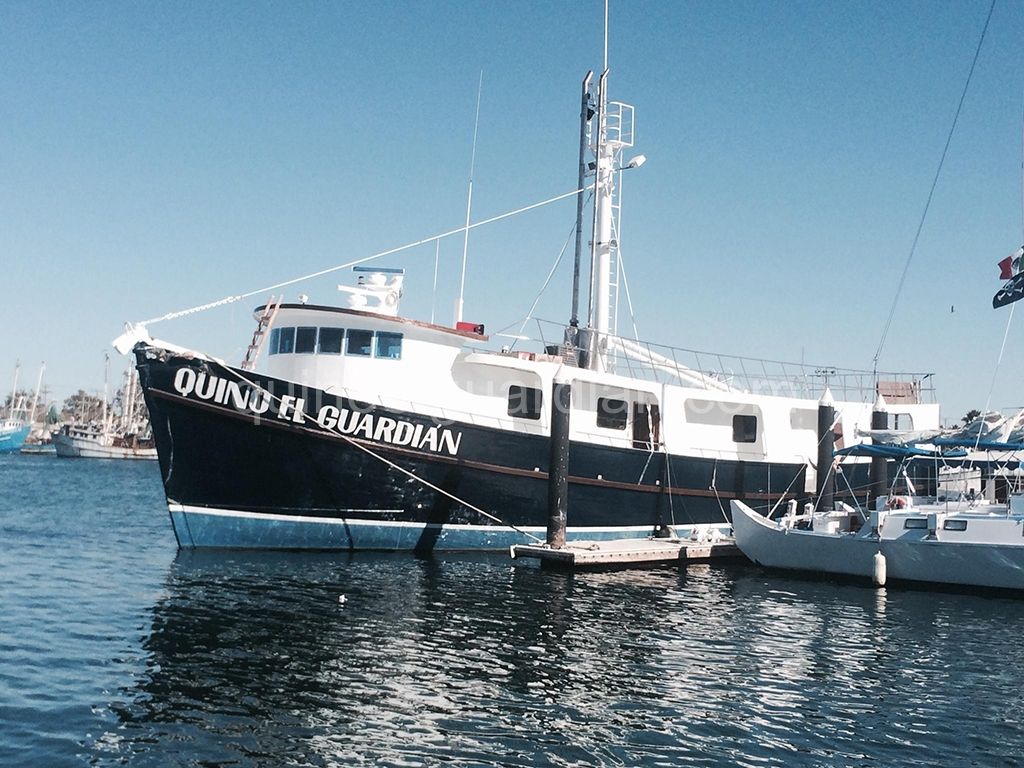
362, 429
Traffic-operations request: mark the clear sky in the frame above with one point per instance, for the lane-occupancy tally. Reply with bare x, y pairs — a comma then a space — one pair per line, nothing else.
154, 156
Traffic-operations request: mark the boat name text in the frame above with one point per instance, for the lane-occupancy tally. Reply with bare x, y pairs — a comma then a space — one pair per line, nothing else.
367, 425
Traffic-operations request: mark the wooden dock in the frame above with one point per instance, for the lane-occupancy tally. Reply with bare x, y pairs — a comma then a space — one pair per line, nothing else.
626, 553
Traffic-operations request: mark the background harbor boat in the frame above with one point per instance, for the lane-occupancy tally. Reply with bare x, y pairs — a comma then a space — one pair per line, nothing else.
17, 418
124, 434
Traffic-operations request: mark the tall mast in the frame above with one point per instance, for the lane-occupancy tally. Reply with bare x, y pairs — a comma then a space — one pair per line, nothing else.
35, 398
600, 246
128, 414
106, 388
14, 390
469, 203
585, 115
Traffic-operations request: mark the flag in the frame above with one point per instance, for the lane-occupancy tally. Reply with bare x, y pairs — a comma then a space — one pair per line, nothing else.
1012, 264
1009, 293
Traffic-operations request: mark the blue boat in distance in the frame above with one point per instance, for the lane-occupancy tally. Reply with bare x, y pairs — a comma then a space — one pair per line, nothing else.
17, 422
12, 435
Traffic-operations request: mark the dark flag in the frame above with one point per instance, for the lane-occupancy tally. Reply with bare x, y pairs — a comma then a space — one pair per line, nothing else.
1009, 293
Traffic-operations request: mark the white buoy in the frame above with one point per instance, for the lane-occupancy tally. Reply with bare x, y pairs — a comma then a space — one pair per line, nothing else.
879, 569
342, 599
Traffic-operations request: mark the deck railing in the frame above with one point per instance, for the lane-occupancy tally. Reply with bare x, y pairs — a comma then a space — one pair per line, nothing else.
720, 372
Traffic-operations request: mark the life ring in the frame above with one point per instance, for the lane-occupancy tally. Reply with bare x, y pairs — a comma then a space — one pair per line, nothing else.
897, 502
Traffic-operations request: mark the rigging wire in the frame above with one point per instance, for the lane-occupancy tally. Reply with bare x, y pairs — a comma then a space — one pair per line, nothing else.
931, 192
380, 254
543, 288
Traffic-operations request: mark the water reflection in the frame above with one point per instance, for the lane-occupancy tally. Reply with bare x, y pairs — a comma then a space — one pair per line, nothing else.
252, 659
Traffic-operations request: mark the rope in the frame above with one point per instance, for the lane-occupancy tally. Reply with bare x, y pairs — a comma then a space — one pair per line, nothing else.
931, 192
403, 470
390, 251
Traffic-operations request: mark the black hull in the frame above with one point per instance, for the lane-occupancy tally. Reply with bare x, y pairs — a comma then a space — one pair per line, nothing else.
282, 478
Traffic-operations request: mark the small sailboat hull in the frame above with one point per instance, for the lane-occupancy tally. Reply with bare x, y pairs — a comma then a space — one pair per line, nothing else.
995, 559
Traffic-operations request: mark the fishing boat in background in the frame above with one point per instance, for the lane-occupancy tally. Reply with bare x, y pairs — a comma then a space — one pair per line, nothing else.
126, 436
17, 421
361, 429
13, 432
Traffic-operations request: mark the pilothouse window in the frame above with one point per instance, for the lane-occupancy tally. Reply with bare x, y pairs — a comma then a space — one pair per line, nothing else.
524, 402
389, 345
359, 343
611, 413
286, 343
330, 341
305, 340
275, 339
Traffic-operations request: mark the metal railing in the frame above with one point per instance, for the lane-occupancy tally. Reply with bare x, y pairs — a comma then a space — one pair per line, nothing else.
715, 371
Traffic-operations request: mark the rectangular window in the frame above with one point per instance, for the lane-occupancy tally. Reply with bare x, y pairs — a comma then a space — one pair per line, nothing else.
286, 345
915, 523
330, 341
954, 525
359, 343
275, 340
389, 345
611, 413
305, 340
524, 402
744, 428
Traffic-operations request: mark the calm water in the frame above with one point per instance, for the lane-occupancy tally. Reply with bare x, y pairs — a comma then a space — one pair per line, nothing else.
115, 649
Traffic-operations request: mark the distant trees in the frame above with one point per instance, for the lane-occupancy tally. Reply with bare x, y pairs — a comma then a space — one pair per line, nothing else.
82, 407
970, 416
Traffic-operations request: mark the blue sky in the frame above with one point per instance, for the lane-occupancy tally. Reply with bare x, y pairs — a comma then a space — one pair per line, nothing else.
157, 156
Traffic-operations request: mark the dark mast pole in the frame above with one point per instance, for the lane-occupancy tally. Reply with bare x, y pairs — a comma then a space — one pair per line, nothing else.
585, 114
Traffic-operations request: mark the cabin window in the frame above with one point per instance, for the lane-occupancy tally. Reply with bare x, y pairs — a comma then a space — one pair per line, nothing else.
305, 341
275, 339
286, 342
744, 428
915, 523
611, 413
954, 525
389, 345
330, 341
901, 421
524, 402
359, 343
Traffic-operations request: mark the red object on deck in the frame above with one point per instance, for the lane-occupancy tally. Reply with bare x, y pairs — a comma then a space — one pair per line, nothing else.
477, 328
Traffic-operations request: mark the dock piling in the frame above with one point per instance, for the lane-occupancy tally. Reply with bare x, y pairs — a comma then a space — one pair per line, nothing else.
558, 469
826, 481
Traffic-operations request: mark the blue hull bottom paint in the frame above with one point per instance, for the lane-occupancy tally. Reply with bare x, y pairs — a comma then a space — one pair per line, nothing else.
226, 529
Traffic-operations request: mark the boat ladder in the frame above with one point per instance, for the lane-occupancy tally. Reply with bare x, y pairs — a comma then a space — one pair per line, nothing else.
266, 319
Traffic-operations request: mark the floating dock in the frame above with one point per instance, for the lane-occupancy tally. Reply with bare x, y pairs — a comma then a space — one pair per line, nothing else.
625, 553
